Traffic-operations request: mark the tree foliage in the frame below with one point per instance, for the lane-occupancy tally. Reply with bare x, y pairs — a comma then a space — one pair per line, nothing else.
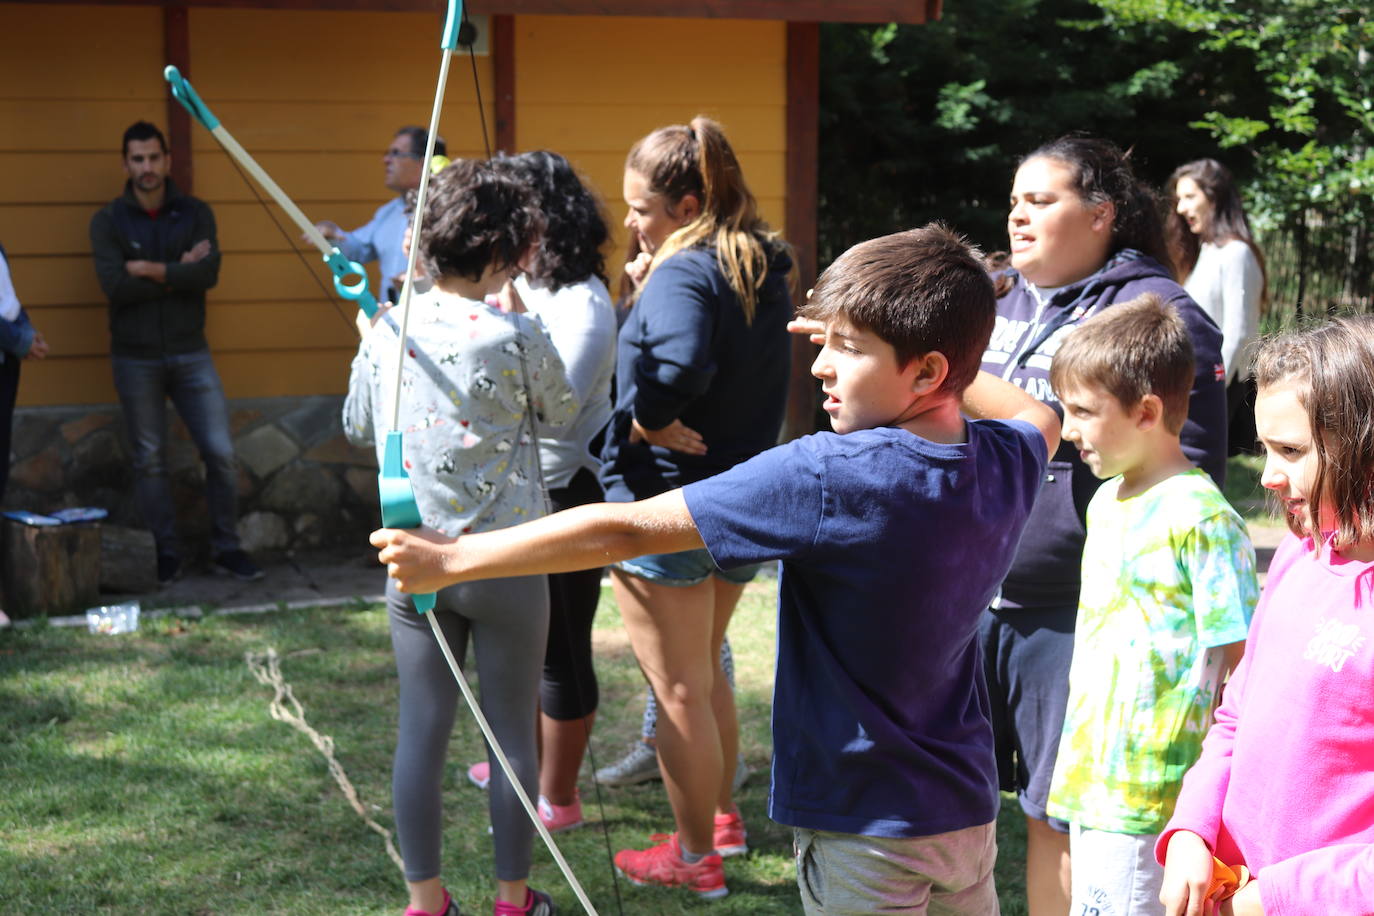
1311, 138
928, 122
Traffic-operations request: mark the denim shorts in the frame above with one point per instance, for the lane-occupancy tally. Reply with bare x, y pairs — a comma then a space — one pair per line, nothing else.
690, 567
1026, 656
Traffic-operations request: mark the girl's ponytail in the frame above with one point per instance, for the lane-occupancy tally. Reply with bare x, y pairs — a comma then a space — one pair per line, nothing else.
698, 159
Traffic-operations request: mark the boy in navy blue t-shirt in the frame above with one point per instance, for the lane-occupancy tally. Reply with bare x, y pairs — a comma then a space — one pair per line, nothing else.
894, 535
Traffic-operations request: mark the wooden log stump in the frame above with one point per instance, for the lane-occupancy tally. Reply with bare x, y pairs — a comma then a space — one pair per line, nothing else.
128, 560
49, 570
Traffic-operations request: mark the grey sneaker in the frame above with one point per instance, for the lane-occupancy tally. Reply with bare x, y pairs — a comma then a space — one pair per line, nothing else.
639, 765
742, 772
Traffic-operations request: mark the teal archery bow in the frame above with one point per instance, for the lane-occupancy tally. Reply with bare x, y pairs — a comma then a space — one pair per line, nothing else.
399, 509
339, 265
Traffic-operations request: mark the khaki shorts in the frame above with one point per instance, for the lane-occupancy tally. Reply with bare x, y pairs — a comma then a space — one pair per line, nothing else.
948, 874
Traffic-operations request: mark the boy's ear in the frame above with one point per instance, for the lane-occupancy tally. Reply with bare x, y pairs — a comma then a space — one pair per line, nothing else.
931, 370
1149, 412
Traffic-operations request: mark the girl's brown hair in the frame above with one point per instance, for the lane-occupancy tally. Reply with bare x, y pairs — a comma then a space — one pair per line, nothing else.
1332, 365
696, 159
1228, 218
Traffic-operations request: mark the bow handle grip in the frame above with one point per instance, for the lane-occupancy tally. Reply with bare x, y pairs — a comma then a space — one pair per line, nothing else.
183, 93
399, 509
357, 291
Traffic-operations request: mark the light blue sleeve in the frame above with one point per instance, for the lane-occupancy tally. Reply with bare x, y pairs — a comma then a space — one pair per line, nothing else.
1220, 560
361, 244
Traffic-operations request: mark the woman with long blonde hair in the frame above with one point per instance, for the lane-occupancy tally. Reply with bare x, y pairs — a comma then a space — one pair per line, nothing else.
701, 376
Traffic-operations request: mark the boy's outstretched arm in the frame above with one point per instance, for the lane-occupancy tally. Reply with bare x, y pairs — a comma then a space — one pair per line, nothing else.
991, 398
585, 537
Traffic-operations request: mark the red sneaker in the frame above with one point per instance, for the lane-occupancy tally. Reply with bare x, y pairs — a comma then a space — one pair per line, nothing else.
663, 865
730, 837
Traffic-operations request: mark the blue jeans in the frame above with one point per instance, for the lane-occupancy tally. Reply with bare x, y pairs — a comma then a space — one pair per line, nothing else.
190, 380
9, 389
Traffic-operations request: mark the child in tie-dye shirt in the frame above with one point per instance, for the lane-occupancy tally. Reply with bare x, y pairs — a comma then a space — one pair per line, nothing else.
1168, 589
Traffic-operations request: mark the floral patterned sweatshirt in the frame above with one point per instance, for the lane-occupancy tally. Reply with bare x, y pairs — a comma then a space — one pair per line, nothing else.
470, 447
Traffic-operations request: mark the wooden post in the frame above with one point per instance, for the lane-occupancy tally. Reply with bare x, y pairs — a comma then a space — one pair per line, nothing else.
176, 50
48, 571
803, 195
502, 48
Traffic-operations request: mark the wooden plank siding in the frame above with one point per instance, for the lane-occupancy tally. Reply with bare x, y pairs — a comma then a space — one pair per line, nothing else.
291, 88
584, 90
315, 95
61, 118
906, 11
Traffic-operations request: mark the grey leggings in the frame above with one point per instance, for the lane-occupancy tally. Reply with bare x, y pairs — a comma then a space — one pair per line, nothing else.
508, 620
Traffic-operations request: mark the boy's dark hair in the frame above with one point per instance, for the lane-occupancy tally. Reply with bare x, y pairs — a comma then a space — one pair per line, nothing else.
921, 290
142, 130
419, 137
1130, 350
475, 215
1331, 365
575, 230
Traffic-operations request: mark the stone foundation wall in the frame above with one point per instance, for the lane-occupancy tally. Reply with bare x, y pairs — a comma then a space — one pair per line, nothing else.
301, 484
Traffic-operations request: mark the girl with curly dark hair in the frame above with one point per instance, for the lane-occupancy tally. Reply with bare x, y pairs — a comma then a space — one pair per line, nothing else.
469, 421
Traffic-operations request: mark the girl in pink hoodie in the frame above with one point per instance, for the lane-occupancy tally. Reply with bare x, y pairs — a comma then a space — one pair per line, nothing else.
1285, 784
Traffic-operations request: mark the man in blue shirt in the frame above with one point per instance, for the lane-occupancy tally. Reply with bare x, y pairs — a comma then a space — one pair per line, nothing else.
381, 239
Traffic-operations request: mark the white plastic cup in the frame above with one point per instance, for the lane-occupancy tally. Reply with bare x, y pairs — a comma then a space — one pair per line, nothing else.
113, 618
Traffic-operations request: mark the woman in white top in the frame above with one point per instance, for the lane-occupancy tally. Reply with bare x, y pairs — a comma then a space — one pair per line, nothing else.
564, 290
1218, 263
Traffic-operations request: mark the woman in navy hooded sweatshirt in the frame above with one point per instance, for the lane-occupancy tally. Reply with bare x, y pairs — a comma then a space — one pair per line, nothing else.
1085, 234
701, 377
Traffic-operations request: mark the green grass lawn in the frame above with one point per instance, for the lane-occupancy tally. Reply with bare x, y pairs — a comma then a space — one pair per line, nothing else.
142, 774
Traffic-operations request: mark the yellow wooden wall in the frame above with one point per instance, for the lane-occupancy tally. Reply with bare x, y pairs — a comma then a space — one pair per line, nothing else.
315, 96
589, 87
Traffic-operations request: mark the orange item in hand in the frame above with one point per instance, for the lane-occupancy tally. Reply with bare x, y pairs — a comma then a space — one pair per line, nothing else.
1226, 880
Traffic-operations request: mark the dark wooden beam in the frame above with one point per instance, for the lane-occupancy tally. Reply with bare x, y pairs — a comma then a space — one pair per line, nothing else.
803, 195
904, 11
176, 50
502, 47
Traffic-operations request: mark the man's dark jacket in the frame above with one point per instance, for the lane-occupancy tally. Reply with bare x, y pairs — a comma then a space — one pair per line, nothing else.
149, 319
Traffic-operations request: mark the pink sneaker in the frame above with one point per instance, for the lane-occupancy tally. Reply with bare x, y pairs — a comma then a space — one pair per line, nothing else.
663, 865
730, 837
558, 818
450, 908
479, 774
